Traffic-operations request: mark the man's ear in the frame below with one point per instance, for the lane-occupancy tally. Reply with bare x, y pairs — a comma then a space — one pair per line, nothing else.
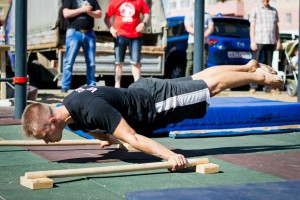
53, 120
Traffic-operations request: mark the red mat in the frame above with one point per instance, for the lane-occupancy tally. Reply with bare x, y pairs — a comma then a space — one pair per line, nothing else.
7, 116
4, 121
94, 153
86, 154
284, 165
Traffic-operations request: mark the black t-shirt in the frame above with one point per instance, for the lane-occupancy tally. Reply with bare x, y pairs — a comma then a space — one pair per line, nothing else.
83, 21
99, 109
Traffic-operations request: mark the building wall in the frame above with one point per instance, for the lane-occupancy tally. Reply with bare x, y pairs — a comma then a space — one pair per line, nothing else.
288, 10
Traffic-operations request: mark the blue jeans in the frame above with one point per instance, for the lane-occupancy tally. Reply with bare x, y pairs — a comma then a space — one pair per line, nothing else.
134, 46
74, 40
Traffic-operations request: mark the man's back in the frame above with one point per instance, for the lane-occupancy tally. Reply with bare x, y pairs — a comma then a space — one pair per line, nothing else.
101, 108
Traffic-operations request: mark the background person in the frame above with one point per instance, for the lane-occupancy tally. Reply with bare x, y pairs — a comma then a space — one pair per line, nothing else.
79, 15
189, 26
127, 31
264, 36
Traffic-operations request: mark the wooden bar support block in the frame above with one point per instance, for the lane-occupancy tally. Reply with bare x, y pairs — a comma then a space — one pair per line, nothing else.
126, 146
37, 183
208, 168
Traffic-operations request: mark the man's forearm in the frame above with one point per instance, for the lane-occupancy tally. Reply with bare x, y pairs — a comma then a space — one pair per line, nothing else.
126, 134
107, 21
95, 14
69, 13
146, 18
151, 147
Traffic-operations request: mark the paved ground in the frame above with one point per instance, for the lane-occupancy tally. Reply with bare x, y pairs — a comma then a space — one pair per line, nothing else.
283, 96
243, 159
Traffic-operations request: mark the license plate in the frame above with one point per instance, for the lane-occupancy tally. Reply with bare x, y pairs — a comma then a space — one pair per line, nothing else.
239, 54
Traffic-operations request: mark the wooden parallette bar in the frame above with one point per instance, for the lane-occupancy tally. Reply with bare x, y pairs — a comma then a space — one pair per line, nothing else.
109, 169
33, 180
120, 144
42, 143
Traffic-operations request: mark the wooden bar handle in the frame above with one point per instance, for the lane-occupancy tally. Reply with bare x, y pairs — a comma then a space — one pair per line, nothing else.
42, 143
109, 169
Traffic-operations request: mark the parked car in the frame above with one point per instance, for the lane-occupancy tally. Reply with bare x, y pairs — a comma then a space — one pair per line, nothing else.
229, 43
286, 35
177, 38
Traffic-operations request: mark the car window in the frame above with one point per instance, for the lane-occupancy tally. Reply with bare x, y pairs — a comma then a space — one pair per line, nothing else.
287, 36
231, 29
176, 28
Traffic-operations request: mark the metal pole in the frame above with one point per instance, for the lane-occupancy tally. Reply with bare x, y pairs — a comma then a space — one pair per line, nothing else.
21, 49
199, 36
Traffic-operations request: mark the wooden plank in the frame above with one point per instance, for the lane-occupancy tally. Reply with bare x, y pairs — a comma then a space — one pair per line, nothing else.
237, 130
208, 168
42, 143
126, 146
120, 144
109, 169
41, 179
38, 183
3, 49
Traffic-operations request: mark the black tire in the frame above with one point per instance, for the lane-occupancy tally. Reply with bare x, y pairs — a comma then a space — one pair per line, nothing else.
39, 77
291, 89
175, 65
35, 78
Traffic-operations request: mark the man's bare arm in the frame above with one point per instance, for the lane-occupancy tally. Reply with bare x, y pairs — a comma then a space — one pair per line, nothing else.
190, 29
69, 13
252, 36
106, 139
95, 13
125, 133
85, 8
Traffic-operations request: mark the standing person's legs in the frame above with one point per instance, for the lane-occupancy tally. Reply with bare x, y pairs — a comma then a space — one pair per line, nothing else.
268, 54
256, 56
269, 49
89, 49
205, 55
135, 49
189, 59
73, 44
120, 51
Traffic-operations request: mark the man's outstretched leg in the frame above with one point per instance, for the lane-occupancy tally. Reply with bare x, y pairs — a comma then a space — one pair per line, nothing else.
220, 78
251, 66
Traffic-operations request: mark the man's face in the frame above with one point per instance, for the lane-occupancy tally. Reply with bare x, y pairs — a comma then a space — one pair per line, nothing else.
50, 134
265, 2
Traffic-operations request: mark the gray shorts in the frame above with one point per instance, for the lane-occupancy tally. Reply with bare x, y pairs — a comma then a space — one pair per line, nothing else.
176, 99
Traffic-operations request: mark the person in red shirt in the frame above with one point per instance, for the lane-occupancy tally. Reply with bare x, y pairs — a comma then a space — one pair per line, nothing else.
127, 31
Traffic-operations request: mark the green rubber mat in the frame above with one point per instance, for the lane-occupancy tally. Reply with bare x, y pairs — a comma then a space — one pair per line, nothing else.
15, 161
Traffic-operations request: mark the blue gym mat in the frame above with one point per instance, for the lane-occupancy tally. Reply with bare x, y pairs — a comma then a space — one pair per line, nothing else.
239, 115
287, 190
236, 116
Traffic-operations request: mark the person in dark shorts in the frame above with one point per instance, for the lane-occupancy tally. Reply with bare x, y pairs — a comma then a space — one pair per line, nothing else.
131, 114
